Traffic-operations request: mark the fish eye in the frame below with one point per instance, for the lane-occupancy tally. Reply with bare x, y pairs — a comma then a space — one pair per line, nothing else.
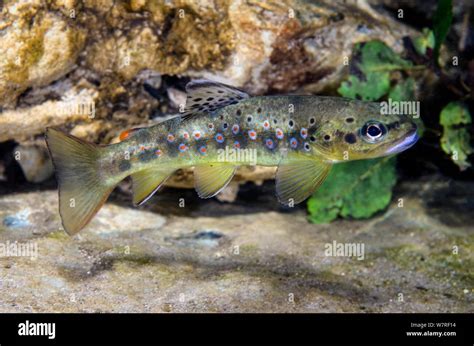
373, 131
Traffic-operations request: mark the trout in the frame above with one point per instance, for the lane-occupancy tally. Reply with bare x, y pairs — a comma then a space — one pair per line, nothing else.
221, 128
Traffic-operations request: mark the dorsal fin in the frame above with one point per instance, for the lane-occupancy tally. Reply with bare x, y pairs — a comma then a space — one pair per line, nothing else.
206, 96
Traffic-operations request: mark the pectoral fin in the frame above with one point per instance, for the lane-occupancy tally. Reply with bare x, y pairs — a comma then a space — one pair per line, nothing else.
298, 176
147, 182
210, 179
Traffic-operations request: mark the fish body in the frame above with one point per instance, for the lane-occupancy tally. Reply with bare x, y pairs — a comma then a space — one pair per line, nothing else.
220, 129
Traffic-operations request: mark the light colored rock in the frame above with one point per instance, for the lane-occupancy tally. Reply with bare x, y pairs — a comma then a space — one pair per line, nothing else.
177, 98
22, 124
229, 194
183, 178
36, 47
241, 260
34, 162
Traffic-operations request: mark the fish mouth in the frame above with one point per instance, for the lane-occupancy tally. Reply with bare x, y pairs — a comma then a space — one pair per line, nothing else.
405, 143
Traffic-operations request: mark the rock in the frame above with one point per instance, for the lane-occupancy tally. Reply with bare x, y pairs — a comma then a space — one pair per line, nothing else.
36, 46
22, 124
34, 162
261, 46
229, 194
248, 258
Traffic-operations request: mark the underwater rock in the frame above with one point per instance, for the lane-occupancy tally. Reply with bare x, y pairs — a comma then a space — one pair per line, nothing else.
22, 124
37, 47
244, 260
34, 162
183, 178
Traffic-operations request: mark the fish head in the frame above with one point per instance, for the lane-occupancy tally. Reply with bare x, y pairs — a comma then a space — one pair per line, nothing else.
365, 133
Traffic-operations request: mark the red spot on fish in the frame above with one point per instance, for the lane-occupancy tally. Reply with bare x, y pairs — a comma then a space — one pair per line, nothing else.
158, 152
203, 150
235, 129
197, 134
219, 138
170, 138
252, 134
279, 133
142, 148
182, 147
304, 132
269, 143
294, 142
185, 135
124, 135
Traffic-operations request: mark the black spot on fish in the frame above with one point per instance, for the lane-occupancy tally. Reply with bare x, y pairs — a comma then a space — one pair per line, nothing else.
143, 136
291, 123
327, 138
124, 165
275, 121
198, 99
350, 138
394, 125
225, 126
146, 155
349, 120
249, 119
312, 121
220, 91
205, 104
210, 98
239, 112
259, 110
312, 139
336, 17
220, 100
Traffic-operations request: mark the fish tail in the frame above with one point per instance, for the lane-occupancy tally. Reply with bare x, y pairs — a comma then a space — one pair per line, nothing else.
82, 192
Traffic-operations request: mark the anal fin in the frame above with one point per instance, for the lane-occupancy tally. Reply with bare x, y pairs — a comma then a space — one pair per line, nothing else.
210, 179
298, 176
147, 182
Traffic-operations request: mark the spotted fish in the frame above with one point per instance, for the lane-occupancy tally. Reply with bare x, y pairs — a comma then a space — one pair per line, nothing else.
302, 135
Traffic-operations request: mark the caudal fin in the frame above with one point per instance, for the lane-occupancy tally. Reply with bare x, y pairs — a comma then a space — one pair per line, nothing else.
81, 191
